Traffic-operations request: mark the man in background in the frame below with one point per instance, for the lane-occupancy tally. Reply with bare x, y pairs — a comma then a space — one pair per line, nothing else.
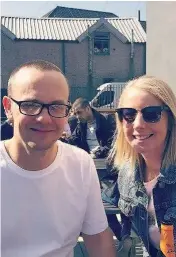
94, 133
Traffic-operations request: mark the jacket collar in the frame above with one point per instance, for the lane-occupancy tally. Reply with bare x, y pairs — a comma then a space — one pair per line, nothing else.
167, 175
97, 117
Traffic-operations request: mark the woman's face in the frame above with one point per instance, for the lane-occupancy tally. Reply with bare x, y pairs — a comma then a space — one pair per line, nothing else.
144, 137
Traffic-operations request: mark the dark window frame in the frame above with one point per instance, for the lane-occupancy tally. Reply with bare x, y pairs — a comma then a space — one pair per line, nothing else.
106, 98
101, 44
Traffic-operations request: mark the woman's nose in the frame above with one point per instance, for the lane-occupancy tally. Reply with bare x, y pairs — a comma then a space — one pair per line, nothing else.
139, 121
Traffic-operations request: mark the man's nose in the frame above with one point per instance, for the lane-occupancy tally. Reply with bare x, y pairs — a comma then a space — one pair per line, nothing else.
44, 115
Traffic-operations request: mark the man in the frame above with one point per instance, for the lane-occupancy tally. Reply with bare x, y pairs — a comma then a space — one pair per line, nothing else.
93, 133
50, 191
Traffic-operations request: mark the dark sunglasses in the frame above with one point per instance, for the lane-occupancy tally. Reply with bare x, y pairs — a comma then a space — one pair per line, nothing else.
150, 114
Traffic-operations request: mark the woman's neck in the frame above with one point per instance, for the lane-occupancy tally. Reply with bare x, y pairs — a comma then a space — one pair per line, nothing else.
151, 168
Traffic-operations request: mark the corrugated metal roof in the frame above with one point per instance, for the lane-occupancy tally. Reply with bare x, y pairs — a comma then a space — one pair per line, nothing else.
68, 29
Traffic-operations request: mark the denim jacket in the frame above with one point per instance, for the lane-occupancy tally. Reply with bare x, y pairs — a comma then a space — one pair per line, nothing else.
133, 200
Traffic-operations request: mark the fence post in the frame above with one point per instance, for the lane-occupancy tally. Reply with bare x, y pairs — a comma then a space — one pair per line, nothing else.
90, 64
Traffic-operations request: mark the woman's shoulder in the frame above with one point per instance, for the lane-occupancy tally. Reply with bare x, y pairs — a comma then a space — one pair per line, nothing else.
126, 176
168, 174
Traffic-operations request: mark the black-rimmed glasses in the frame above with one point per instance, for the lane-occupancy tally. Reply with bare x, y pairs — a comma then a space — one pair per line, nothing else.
151, 114
32, 108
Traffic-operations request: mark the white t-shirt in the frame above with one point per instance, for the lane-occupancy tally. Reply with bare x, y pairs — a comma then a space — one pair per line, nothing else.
43, 212
91, 137
154, 233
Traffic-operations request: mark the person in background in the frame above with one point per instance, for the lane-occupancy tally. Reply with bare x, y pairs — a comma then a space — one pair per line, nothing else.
145, 156
6, 129
73, 122
50, 190
70, 125
93, 132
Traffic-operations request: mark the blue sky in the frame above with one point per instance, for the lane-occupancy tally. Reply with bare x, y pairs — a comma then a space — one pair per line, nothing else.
39, 8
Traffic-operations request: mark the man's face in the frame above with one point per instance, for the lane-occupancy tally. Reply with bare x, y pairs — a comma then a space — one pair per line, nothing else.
82, 114
38, 132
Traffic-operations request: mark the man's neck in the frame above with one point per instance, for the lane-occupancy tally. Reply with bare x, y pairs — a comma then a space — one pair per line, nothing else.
91, 119
30, 159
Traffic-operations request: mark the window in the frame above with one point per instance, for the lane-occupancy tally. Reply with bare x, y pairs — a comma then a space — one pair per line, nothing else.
105, 98
102, 43
108, 80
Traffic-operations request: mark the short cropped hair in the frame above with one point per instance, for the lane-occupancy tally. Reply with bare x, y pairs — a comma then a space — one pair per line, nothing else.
38, 64
81, 103
122, 151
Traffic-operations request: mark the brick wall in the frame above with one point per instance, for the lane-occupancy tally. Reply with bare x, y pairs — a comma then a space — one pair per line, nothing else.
16, 52
115, 65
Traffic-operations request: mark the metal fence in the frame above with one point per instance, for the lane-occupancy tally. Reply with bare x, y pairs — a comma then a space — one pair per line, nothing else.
108, 96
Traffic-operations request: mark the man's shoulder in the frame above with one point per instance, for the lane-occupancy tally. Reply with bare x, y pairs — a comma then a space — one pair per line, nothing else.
75, 158
2, 154
1, 146
99, 116
73, 150
72, 118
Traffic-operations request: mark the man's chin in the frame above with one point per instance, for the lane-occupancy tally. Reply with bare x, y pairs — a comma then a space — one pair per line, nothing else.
33, 146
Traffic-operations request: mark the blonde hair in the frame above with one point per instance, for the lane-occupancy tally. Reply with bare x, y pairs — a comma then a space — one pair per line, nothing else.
122, 151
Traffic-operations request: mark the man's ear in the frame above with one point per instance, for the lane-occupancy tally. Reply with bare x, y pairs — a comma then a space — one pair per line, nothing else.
88, 108
7, 107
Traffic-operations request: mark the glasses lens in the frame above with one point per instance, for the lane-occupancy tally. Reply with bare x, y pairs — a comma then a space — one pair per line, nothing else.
152, 113
30, 108
128, 114
58, 110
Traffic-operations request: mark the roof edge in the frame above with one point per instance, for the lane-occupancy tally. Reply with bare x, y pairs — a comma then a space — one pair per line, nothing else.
72, 8
95, 26
7, 32
56, 18
48, 13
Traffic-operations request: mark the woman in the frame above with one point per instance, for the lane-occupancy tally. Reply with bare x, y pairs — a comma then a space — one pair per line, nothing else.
145, 155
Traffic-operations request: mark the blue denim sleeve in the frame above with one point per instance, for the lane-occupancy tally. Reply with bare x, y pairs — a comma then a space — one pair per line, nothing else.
126, 226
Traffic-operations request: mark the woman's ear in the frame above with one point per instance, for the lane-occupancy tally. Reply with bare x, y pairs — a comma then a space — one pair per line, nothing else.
7, 107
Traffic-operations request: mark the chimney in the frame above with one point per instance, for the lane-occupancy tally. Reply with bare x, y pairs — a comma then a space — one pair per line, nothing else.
139, 15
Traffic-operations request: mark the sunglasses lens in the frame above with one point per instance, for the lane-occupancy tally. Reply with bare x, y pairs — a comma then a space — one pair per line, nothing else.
129, 114
152, 114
